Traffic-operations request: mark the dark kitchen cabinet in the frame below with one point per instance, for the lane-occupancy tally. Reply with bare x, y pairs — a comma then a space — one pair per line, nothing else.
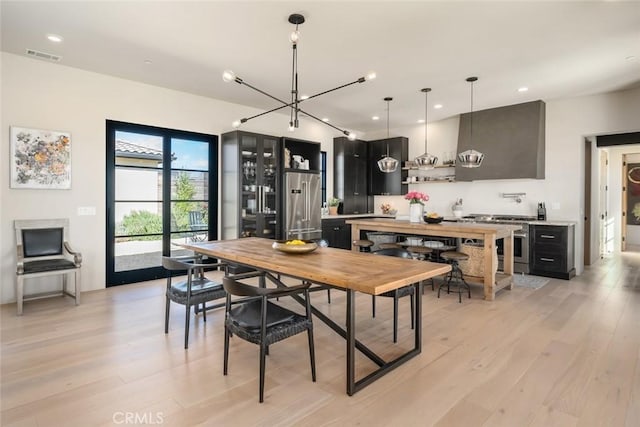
337, 233
350, 175
250, 185
552, 251
388, 184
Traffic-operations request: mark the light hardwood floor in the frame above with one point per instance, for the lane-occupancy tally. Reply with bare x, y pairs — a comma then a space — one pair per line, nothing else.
567, 354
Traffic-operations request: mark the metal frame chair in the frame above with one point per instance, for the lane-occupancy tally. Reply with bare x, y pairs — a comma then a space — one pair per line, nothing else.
197, 225
43, 249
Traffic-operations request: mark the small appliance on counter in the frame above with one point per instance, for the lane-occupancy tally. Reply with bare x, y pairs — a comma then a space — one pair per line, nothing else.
542, 212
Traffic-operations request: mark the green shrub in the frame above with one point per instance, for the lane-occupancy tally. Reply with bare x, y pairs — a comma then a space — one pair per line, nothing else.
142, 222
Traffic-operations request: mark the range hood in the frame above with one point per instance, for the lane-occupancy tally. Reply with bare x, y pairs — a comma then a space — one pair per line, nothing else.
512, 139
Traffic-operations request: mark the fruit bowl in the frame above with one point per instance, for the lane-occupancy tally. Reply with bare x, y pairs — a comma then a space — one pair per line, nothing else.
306, 247
432, 220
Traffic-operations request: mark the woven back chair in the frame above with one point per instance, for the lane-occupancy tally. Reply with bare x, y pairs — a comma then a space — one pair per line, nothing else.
259, 321
195, 290
396, 294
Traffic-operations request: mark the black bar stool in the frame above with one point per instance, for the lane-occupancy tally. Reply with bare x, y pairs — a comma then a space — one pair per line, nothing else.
363, 245
452, 257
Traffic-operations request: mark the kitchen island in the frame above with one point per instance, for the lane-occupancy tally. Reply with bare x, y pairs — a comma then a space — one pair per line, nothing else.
493, 281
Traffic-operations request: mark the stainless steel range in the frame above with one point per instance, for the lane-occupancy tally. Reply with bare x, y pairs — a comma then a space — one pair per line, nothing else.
520, 237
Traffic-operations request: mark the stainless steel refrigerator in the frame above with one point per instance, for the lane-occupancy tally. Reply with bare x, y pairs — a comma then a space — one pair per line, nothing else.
302, 209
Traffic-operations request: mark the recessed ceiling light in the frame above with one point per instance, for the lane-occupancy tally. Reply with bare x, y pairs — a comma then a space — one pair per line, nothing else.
523, 89
54, 38
631, 58
148, 61
325, 119
375, 118
437, 106
303, 97
420, 120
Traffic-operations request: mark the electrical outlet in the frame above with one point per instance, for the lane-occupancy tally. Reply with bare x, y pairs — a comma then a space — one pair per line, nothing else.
86, 210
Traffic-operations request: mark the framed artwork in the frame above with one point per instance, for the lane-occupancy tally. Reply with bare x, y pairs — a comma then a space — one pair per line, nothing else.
40, 159
633, 193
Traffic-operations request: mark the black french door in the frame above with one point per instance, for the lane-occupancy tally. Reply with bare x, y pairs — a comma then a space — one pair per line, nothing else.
161, 188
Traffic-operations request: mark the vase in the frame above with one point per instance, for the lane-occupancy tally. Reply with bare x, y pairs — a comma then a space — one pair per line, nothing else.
415, 212
333, 210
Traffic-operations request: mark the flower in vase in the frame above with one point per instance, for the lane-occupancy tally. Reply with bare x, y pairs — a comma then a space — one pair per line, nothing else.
416, 197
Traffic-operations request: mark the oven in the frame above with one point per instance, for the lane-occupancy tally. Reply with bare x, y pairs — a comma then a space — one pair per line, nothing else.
520, 249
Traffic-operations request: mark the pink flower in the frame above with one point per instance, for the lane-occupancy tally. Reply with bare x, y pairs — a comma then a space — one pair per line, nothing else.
416, 197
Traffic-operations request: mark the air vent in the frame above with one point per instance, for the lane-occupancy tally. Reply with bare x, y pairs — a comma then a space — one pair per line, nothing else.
43, 55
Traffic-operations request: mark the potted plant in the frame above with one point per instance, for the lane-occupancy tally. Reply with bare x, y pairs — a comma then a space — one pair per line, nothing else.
333, 205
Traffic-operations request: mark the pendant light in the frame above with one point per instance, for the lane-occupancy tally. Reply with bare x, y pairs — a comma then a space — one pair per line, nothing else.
426, 160
471, 158
388, 164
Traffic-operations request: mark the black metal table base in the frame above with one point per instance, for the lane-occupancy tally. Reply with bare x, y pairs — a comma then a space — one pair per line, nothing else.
349, 334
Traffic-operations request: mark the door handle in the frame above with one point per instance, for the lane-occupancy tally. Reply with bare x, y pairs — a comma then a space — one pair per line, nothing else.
547, 259
304, 191
547, 236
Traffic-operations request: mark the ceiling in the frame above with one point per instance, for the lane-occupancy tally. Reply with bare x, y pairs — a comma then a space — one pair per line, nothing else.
556, 49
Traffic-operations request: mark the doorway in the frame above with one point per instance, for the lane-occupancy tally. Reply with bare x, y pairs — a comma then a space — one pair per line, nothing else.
161, 189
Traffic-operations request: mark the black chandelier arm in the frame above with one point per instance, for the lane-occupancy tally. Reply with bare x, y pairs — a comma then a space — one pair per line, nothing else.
360, 80
285, 104
322, 121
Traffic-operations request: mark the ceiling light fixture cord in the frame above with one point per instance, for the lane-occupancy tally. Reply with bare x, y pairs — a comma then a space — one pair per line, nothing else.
426, 160
294, 103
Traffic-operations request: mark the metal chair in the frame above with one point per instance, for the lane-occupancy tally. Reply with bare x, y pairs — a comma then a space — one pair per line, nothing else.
197, 225
195, 290
257, 320
43, 249
396, 294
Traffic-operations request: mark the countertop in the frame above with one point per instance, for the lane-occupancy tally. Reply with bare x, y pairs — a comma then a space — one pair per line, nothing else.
558, 223
348, 216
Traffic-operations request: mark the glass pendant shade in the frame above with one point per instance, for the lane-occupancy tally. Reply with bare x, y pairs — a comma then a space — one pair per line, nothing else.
470, 158
426, 160
388, 164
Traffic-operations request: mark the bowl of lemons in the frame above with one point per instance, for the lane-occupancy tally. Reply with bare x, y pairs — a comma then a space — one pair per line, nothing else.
432, 218
295, 246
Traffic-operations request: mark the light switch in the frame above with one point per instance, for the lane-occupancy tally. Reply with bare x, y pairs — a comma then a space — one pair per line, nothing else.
86, 210
555, 206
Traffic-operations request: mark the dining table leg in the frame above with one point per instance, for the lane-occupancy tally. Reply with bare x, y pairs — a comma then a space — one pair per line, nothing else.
351, 343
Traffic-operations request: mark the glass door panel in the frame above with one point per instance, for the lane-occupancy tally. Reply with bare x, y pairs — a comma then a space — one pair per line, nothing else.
159, 182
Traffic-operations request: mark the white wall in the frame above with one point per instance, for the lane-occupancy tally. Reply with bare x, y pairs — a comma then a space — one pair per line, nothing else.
49, 96
42, 95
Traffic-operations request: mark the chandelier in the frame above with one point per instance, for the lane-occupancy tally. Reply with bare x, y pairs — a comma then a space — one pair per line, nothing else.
295, 100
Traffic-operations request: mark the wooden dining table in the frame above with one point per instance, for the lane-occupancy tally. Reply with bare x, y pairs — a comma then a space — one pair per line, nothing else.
341, 269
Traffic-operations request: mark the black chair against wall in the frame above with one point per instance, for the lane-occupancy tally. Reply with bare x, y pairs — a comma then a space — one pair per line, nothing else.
197, 225
259, 321
396, 294
43, 249
195, 290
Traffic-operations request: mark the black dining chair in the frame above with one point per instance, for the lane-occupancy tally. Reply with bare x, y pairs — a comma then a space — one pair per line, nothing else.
259, 321
196, 289
396, 294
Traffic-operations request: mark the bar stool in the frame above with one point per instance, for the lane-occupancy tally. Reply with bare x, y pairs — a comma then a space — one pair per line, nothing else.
389, 245
363, 245
422, 253
452, 257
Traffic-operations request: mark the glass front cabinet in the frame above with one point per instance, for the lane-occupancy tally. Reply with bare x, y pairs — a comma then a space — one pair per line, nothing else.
250, 184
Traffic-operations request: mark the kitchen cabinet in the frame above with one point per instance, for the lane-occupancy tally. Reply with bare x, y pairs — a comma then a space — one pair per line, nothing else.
296, 150
250, 185
337, 233
388, 184
552, 251
350, 175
